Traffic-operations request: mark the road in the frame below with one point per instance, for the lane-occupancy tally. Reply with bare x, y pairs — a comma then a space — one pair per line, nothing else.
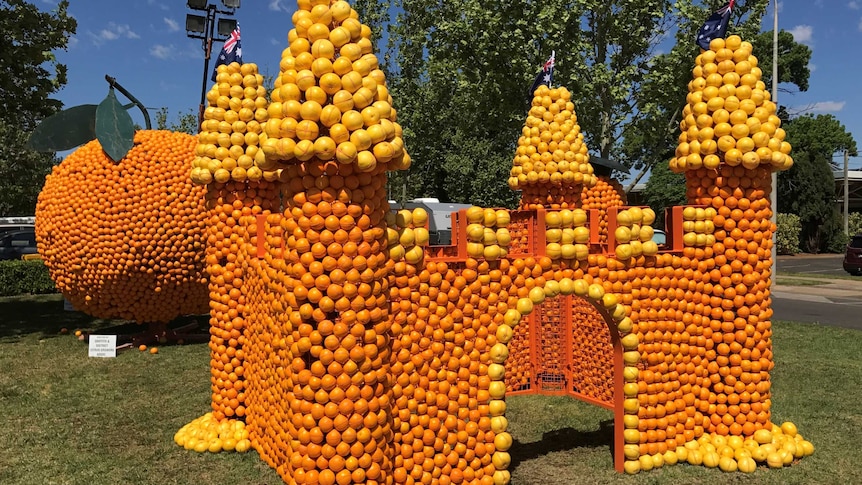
837, 312
820, 265
838, 303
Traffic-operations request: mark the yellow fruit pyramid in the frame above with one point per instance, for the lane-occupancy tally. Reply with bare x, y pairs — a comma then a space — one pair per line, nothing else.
551, 150
729, 117
228, 144
330, 100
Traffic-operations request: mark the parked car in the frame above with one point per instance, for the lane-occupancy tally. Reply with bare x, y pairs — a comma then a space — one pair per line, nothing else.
4, 228
17, 244
853, 256
8, 224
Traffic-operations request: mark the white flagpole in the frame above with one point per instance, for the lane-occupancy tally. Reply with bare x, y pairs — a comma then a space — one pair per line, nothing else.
773, 198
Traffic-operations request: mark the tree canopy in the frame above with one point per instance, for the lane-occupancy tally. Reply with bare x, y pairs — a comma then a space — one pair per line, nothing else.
793, 59
185, 122
459, 70
664, 189
29, 75
30, 72
808, 188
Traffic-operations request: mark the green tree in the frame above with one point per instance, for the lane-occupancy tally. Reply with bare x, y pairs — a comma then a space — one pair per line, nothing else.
374, 14
29, 75
460, 71
22, 172
664, 189
808, 188
30, 71
185, 122
793, 59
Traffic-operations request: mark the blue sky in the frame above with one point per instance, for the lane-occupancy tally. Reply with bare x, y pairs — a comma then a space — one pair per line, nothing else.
144, 45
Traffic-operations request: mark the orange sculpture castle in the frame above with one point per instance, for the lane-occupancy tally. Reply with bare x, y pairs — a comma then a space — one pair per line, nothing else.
345, 349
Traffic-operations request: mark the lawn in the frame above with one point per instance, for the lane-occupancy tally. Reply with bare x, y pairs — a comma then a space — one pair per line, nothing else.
70, 419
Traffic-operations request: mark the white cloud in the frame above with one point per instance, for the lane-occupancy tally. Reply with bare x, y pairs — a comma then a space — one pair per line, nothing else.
274, 41
802, 33
155, 3
162, 51
277, 6
113, 32
174, 52
812, 67
854, 5
860, 25
827, 106
172, 24
73, 41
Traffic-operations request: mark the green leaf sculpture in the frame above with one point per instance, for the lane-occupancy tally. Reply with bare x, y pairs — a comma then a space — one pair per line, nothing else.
114, 127
65, 130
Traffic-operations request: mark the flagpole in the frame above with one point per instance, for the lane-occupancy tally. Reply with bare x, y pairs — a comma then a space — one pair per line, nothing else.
773, 197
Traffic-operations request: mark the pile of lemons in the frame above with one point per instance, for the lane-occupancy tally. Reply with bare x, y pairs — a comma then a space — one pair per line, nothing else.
209, 434
228, 144
406, 234
330, 100
551, 149
567, 235
697, 226
776, 447
634, 234
729, 117
488, 234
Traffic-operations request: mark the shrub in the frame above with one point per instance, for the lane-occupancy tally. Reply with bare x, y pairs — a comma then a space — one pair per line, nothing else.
25, 277
834, 238
854, 223
787, 238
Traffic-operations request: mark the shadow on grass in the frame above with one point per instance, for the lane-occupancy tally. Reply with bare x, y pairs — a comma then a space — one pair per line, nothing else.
564, 439
43, 316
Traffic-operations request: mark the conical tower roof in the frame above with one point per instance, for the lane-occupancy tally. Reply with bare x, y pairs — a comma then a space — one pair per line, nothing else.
728, 116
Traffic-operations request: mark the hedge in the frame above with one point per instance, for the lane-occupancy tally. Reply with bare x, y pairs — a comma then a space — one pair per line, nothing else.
25, 277
787, 238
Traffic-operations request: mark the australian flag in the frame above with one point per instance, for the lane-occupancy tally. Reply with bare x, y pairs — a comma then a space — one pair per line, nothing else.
544, 77
230, 52
715, 26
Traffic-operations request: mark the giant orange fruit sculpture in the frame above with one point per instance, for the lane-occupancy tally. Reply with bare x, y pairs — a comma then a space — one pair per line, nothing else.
125, 239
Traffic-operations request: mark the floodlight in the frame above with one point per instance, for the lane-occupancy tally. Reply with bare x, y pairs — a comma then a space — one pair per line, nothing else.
230, 3
197, 4
196, 23
226, 26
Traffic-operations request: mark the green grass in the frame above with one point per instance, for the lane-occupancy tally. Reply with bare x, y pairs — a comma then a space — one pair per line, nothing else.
69, 419
826, 278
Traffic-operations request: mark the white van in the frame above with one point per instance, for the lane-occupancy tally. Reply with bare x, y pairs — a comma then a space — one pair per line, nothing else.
16, 223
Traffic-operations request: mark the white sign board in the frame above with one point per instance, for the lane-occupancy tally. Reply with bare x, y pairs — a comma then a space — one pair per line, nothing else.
103, 346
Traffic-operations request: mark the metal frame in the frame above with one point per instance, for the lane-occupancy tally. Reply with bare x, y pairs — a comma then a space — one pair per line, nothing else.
207, 37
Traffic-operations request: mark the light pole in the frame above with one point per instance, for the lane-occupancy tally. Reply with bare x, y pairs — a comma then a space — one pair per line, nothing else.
774, 195
846, 193
204, 27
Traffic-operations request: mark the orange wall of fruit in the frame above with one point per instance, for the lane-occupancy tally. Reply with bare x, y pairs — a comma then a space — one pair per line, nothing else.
346, 350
